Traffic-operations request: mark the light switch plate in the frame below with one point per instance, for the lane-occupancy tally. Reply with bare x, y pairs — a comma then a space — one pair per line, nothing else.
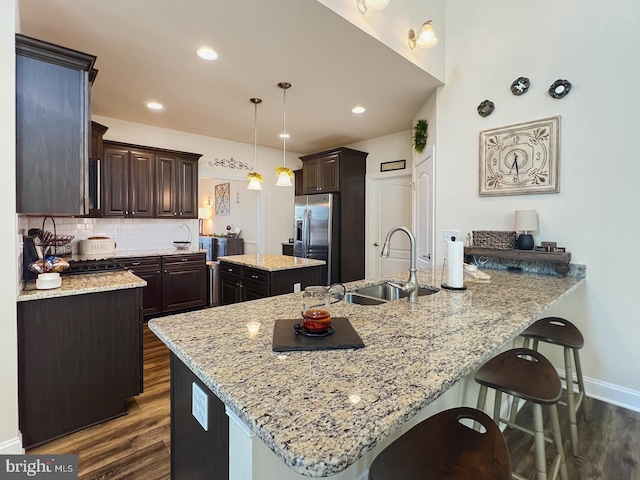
199, 405
450, 234
296, 287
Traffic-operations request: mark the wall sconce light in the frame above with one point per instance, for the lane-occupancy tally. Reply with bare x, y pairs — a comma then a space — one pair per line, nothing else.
364, 5
285, 175
255, 179
424, 38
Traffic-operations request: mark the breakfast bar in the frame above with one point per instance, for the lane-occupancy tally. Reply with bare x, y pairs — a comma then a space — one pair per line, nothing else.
327, 413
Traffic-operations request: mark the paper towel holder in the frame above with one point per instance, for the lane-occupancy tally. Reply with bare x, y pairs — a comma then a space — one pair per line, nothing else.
448, 287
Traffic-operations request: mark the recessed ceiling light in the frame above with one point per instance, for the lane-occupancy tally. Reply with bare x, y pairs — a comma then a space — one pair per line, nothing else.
358, 109
284, 135
207, 53
155, 106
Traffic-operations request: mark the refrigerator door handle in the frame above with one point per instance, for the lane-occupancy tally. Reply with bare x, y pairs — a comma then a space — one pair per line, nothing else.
307, 229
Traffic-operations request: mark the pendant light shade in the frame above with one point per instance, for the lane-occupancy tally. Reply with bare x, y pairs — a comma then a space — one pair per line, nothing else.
255, 179
284, 174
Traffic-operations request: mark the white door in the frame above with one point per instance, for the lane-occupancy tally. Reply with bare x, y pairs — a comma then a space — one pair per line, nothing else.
390, 206
423, 216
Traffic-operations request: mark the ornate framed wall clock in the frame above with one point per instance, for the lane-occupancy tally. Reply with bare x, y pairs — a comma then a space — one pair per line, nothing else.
520, 159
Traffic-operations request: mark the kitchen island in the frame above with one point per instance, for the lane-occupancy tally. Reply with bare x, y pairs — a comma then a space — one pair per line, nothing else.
250, 277
327, 413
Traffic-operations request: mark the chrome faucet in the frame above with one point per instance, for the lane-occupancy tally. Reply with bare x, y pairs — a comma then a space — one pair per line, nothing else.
411, 286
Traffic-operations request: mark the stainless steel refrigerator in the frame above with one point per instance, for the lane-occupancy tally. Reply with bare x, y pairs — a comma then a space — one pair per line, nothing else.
317, 232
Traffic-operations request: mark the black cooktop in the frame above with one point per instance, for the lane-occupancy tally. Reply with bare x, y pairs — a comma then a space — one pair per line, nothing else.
77, 267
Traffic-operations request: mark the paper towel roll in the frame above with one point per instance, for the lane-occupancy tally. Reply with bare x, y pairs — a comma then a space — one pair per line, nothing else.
455, 260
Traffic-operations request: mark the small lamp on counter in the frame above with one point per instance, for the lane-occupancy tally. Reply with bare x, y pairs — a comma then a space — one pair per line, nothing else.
526, 222
203, 213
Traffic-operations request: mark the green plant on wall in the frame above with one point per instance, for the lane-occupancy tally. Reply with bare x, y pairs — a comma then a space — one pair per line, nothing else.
420, 135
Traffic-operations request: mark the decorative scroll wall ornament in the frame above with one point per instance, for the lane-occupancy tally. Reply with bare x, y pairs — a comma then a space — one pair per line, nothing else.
230, 163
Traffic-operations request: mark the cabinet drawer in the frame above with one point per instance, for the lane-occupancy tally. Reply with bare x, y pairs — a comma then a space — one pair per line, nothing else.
228, 268
171, 261
141, 263
256, 275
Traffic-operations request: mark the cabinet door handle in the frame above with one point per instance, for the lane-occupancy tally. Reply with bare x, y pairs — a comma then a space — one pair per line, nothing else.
166, 271
254, 276
175, 213
229, 269
158, 271
184, 259
133, 213
135, 263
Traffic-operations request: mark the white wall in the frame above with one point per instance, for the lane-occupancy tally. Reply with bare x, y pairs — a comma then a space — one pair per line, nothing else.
490, 44
275, 204
9, 442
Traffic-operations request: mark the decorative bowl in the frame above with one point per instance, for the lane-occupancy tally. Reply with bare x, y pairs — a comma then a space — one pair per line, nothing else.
182, 245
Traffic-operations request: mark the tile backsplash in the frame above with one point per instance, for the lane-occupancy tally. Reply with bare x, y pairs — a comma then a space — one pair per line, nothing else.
129, 234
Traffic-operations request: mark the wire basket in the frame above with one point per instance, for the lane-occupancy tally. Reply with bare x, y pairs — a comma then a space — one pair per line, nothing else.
502, 240
51, 240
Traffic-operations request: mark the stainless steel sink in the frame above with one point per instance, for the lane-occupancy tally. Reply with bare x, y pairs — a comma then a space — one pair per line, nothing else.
381, 293
389, 292
352, 297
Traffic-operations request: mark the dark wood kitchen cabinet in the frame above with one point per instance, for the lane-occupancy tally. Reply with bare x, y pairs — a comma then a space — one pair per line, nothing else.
52, 128
146, 182
184, 282
127, 181
79, 360
177, 185
342, 171
321, 174
150, 270
240, 283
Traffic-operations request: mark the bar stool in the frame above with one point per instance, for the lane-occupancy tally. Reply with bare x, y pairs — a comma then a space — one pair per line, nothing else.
441, 447
526, 374
558, 331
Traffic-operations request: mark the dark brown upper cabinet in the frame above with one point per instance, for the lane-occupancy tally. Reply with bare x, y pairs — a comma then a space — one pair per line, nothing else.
145, 182
321, 174
177, 185
127, 181
52, 128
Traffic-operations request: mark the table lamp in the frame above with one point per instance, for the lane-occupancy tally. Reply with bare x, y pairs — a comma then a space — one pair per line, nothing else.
526, 221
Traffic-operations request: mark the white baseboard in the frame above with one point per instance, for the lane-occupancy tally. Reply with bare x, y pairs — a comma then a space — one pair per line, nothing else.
11, 447
610, 393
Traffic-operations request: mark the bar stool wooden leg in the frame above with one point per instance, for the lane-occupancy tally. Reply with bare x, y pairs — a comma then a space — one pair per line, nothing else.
557, 440
583, 395
482, 400
571, 401
538, 427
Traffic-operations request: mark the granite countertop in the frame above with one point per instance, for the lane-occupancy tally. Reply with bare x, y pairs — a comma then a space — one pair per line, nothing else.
271, 262
81, 284
298, 403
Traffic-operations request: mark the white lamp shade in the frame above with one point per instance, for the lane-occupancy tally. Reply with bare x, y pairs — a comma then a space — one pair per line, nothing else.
204, 212
426, 36
526, 220
284, 180
254, 184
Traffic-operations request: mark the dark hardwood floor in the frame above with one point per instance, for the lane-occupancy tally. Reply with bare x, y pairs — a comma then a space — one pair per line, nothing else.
136, 446
609, 444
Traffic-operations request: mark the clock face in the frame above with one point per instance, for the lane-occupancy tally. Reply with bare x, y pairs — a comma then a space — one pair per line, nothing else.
519, 159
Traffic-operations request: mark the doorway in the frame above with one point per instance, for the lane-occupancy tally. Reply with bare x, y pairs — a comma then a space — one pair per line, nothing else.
423, 206
389, 206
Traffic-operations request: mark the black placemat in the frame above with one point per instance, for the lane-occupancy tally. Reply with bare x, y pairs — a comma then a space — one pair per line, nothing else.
286, 340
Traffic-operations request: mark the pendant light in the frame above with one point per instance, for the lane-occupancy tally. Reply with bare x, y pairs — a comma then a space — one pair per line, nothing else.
255, 179
285, 175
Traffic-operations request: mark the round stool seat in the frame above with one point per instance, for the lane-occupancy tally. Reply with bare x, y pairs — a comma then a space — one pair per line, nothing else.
523, 373
441, 448
555, 330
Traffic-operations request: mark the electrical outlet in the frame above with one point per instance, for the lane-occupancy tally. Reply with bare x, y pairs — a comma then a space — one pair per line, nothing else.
199, 403
296, 287
452, 235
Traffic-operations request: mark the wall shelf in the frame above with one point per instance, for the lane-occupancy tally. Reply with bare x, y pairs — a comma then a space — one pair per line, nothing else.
560, 260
